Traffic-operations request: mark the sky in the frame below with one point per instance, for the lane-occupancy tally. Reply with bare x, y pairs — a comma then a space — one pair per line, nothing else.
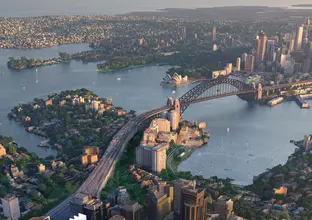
47, 7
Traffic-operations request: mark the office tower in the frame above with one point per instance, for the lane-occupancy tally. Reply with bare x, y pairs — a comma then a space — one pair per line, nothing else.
291, 45
94, 210
263, 43
194, 204
228, 68
78, 201
11, 207
224, 207
298, 42
250, 62
189, 31
160, 205
214, 47
132, 211
179, 186
214, 33
244, 57
306, 65
183, 33
238, 63
306, 31
257, 49
283, 59
270, 50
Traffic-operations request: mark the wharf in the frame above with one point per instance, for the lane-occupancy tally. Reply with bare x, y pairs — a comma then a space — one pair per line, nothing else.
301, 102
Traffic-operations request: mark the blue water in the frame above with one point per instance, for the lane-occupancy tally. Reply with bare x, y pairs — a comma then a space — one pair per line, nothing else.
254, 130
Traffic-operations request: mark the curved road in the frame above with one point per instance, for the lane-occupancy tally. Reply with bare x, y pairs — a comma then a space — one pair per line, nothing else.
99, 176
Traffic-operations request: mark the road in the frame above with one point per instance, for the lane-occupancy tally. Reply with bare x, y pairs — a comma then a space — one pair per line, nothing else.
99, 176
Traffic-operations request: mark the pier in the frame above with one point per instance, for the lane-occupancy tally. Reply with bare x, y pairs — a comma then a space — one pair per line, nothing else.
301, 102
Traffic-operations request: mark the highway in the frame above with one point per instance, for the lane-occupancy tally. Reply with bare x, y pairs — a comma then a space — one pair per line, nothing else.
97, 179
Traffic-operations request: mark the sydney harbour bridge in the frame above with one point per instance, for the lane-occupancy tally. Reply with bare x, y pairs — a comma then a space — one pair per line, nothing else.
206, 90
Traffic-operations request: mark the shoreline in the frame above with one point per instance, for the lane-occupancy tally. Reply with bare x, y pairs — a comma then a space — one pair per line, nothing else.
191, 81
122, 69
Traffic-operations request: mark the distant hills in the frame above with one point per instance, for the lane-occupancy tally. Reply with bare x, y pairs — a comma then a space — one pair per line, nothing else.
302, 5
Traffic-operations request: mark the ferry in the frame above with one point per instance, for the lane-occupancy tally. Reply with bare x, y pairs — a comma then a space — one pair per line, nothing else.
275, 101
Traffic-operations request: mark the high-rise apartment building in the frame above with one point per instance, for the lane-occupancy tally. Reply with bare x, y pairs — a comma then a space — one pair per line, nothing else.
11, 207
152, 158
298, 41
224, 207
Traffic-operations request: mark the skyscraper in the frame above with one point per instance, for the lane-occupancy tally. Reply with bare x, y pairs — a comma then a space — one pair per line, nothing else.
179, 186
306, 31
132, 211
194, 204
224, 207
214, 34
238, 63
250, 62
263, 43
270, 50
298, 41
11, 207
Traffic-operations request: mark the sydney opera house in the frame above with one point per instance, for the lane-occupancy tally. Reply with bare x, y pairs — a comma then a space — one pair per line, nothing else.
174, 80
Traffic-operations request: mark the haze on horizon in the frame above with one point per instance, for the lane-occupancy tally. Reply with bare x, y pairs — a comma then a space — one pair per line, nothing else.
19, 8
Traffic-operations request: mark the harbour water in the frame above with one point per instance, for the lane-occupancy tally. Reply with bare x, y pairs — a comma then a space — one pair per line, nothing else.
258, 137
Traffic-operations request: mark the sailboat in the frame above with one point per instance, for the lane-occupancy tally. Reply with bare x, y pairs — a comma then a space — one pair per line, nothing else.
37, 77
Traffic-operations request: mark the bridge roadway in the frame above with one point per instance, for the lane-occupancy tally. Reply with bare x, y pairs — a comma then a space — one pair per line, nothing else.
99, 176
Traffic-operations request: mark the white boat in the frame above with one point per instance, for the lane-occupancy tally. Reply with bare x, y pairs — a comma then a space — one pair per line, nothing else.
36, 70
173, 92
228, 130
118, 79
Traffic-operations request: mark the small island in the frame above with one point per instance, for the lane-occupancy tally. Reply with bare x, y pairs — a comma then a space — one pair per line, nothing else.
121, 63
24, 63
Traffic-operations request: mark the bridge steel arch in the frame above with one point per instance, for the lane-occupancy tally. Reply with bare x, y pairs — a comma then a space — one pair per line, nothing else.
226, 86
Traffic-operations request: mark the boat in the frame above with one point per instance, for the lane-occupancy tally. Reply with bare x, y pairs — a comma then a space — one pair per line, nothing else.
36, 70
199, 154
173, 92
275, 101
228, 130
118, 79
